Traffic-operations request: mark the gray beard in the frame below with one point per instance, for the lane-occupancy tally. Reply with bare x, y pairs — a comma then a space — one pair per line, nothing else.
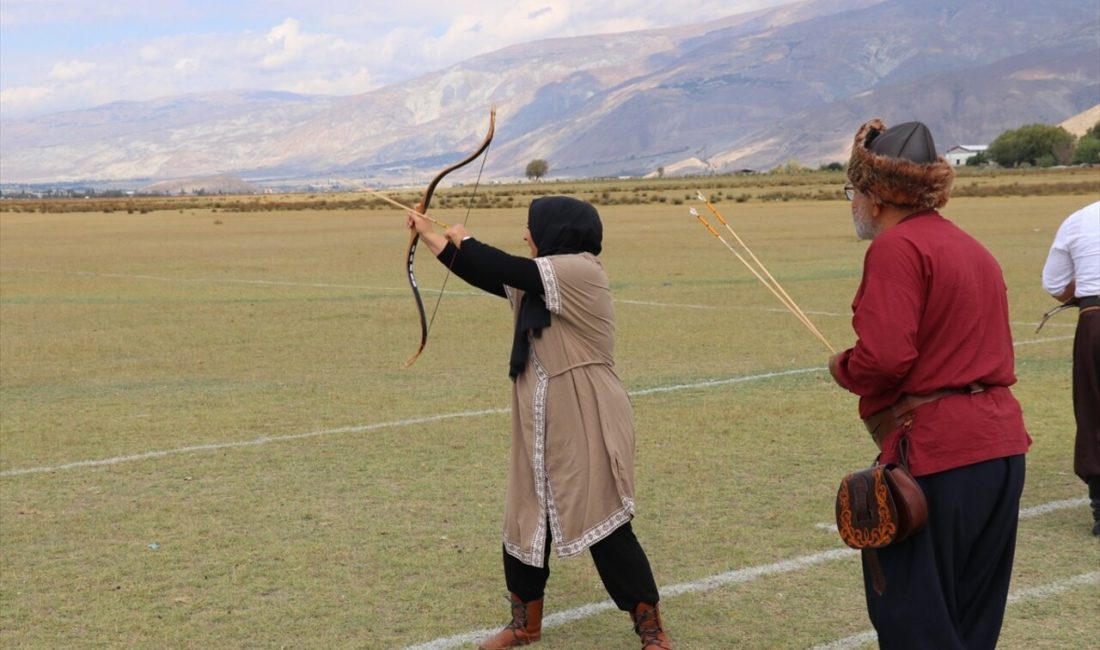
865, 227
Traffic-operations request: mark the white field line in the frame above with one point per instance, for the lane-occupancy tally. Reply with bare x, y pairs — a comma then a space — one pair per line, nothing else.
263, 440
255, 442
216, 281
273, 283
706, 584
812, 312
1054, 588
749, 574
775, 310
649, 303
1046, 325
722, 382
1048, 340
1044, 591
320, 285
1035, 511
1025, 513
848, 642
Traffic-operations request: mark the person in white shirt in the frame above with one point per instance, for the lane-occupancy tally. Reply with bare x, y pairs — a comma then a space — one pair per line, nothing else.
1072, 275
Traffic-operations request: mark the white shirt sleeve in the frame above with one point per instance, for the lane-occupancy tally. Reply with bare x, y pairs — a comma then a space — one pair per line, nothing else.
1075, 254
1058, 270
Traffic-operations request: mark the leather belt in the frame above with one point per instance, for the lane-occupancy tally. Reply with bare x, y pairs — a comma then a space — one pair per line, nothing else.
1089, 303
880, 424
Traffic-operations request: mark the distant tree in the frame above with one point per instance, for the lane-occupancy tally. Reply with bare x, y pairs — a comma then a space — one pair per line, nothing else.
790, 167
977, 160
537, 168
660, 172
832, 167
1033, 144
1088, 147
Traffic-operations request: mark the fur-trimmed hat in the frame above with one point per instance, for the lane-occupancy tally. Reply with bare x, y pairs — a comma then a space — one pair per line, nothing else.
899, 165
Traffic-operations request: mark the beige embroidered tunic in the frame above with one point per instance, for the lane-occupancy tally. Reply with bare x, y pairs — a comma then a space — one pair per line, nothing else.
572, 455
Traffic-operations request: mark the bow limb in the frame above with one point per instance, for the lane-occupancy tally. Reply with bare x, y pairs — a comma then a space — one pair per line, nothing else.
422, 208
1072, 302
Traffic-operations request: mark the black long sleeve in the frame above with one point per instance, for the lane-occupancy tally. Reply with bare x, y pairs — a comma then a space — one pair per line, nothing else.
490, 269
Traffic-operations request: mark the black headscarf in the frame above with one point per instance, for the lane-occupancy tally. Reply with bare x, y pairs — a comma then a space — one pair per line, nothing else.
559, 225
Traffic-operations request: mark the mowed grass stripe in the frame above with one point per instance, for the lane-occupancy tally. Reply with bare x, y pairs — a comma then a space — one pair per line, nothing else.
273, 283
329, 285
264, 440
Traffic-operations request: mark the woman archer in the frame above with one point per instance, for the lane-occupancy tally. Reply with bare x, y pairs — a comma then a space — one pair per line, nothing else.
571, 466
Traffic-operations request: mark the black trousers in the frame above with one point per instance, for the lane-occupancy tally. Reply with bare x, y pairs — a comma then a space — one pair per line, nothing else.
946, 587
620, 561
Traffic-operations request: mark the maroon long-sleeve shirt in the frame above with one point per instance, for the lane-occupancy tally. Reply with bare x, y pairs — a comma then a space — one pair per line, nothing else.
931, 312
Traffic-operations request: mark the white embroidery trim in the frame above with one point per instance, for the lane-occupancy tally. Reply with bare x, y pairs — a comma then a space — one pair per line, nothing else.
538, 465
599, 531
551, 291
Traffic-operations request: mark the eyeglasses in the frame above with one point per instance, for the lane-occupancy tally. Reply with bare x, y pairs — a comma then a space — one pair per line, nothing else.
849, 192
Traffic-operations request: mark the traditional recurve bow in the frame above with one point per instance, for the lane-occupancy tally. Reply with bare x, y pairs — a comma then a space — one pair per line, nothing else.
414, 238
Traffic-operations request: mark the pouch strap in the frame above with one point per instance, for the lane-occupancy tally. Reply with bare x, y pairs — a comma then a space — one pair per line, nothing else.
903, 451
878, 578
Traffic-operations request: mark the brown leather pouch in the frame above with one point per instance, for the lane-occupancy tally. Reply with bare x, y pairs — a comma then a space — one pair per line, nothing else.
879, 506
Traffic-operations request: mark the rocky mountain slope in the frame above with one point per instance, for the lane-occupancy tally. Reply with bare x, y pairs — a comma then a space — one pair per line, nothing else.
747, 91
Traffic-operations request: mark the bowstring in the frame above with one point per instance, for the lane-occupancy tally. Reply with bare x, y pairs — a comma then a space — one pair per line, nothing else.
469, 207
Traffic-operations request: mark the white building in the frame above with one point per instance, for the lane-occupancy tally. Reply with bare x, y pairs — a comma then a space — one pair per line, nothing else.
959, 154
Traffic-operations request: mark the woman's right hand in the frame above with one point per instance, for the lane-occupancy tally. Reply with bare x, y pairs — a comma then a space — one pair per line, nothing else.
456, 234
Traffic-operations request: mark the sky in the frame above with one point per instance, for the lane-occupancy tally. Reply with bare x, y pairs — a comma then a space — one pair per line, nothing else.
60, 55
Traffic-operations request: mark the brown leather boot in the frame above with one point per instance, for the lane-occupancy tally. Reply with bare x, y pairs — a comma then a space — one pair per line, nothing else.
647, 623
525, 628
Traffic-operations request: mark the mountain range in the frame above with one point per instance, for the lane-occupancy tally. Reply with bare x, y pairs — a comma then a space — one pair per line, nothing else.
747, 91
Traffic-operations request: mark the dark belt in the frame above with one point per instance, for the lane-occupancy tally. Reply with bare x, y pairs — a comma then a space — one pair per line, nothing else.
1089, 303
880, 424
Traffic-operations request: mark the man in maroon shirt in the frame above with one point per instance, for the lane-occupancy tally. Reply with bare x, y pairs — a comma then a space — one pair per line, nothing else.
933, 363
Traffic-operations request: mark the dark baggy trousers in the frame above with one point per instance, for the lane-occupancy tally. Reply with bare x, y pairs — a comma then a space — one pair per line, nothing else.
946, 587
619, 559
1086, 400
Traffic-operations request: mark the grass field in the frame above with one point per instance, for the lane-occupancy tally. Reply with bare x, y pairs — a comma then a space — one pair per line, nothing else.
208, 438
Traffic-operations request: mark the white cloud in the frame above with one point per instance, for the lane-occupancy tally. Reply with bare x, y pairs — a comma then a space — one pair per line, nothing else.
71, 70
187, 65
349, 83
150, 53
21, 96
338, 47
287, 43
